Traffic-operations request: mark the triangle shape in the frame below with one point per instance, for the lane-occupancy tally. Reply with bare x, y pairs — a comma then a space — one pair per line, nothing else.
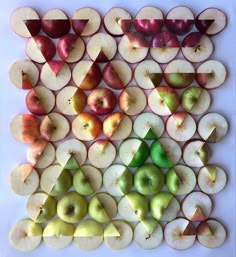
55, 66
78, 25
198, 214
47, 128
203, 25
101, 57
26, 170
137, 39
212, 138
33, 26
150, 135
72, 163
189, 230
111, 231
26, 84
156, 78
125, 25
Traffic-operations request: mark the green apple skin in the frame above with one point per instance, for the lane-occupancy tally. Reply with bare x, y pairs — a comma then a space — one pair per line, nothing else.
150, 135
170, 97
72, 164
150, 225
139, 204
57, 228
125, 181
158, 156
159, 203
63, 184
203, 154
35, 230
72, 207
148, 179
172, 181
88, 228
81, 184
190, 97
48, 210
179, 80
140, 156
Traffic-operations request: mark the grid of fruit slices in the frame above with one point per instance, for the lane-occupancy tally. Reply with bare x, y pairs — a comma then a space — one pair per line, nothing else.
118, 100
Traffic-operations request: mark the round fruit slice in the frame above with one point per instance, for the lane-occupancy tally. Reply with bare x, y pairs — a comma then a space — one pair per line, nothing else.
180, 180
25, 235
197, 206
148, 126
123, 236
133, 152
165, 152
24, 179
117, 180
179, 234
71, 154
211, 179
58, 234
88, 235
212, 127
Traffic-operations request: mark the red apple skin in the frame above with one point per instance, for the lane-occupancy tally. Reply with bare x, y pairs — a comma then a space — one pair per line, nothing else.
179, 27
26, 84
137, 39
35, 150
191, 40
126, 25
34, 26
102, 101
148, 26
111, 77
78, 25
79, 100
30, 128
164, 39
203, 25
101, 57
202, 78
55, 65
55, 28
33, 104
46, 128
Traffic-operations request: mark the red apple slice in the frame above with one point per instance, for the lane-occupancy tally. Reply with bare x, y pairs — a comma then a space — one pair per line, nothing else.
55, 23
86, 21
101, 153
126, 25
112, 18
24, 74
87, 74
117, 74
25, 128
148, 74
86, 126
25, 22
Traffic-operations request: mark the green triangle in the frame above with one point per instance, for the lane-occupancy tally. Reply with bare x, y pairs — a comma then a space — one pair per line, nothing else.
72, 164
150, 135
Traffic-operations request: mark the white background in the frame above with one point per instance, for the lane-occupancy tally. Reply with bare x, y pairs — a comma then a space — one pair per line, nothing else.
12, 102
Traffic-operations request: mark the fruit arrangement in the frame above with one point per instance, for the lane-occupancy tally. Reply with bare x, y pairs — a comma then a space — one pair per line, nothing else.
118, 128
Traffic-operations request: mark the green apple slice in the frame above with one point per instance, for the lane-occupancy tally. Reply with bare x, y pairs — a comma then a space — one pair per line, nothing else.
117, 180
111, 231
58, 234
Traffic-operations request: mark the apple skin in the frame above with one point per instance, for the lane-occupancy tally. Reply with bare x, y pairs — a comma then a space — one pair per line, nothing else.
148, 26
158, 156
172, 181
88, 228
79, 100
33, 104
179, 27
203, 25
30, 128
81, 183
55, 28
190, 97
58, 228
148, 179
191, 40
26, 84
125, 181
111, 122
179, 80
72, 207
79, 25
137, 39
164, 39
101, 101
140, 156
34, 26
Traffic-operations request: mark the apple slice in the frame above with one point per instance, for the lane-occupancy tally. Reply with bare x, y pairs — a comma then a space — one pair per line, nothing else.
148, 234
179, 73
101, 47
211, 179
86, 74
197, 47
102, 207
117, 126
88, 235
163, 100
112, 18
180, 126
24, 179
212, 127
71, 48
54, 127
71, 153
215, 238
86, 126
148, 74
101, 153
55, 75
24, 74
24, 128
25, 235
71, 100
40, 49
133, 207
211, 74
132, 100
41, 153
86, 21
195, 100
164, 46
122, 240
174, 234
133, 152
149, 20
164, 206
117, 180
195, 153
40, 100
148, 126
132, 51
197, 206
180, 180
25, 22
211, 21
180, 20
165, 152
58, 234
87, 180
117, 74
